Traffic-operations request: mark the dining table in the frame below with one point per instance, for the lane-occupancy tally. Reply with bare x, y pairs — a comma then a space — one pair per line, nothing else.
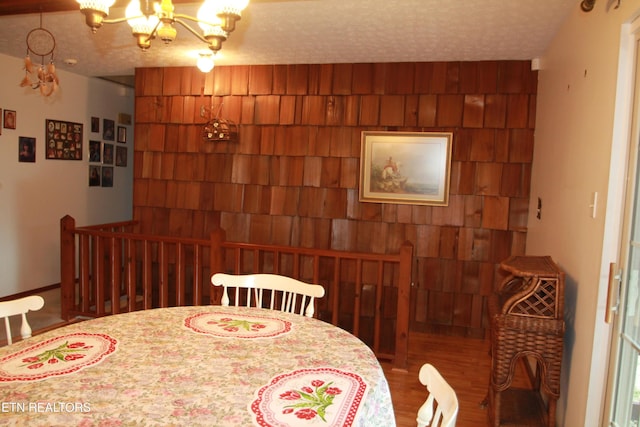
194, 366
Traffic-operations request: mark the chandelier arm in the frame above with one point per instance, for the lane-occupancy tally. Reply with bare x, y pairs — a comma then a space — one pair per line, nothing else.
196, 20
153, 32
191, 30
119, 20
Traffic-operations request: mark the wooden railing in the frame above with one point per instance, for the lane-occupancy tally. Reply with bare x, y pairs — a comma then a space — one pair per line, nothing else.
366, 294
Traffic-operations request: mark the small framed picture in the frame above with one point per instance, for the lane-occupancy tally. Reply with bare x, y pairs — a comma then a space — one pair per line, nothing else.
10, 117
122, 134
121, 156
95, 124
107, 176
108, 129
124, 118
95, 154
26, 149
94, 176
107, 154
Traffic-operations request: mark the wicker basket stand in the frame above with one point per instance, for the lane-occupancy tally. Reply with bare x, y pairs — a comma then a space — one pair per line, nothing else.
526, 322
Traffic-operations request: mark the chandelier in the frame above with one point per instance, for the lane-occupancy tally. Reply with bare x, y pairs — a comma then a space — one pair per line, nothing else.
150, 19
42, 76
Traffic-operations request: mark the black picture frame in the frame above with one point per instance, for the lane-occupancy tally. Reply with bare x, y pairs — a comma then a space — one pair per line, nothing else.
10, 118
107, 176
107, 154
26, 149
63, 140
95, 174
108, 129
122, 134
95, 124
121, 156
95, 151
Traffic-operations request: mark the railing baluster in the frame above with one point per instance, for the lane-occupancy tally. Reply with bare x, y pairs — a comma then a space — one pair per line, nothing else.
357, 301
197, 275
378, 307
85, 273
335, 291
130, 277
163, 273
276, 262
114, 263
98, 274
180, 275
147, 276
296, 265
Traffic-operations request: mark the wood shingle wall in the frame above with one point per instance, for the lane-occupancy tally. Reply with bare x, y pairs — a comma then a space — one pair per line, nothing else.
292, 179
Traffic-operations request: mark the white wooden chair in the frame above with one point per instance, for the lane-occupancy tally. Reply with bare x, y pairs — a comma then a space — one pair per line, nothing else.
441, 407
269, 291
20, 306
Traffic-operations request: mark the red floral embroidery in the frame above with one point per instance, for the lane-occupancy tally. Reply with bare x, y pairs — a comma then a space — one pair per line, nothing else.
234, 325
306, 414
290, 395
66, 352
334, 390
313, 401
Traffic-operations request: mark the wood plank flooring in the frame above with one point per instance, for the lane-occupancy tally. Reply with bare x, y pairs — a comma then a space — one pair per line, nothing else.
463, 362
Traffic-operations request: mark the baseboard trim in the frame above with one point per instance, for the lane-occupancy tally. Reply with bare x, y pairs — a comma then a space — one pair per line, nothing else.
31, 292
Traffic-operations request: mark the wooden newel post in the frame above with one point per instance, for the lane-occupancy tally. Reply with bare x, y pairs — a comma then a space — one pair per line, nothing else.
217, 262
67, 265
404, 291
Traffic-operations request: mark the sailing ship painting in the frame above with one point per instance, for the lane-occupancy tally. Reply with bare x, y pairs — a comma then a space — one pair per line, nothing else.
405, 167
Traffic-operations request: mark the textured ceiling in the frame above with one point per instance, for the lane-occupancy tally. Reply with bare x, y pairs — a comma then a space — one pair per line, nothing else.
312, 32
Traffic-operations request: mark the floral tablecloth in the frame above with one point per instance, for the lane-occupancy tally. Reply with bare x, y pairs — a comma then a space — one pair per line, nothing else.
194, 366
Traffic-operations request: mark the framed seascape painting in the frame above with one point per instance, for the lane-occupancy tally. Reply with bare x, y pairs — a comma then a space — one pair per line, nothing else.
405, 167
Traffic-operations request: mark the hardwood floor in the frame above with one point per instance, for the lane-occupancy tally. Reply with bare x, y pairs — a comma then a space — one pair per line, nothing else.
463, 362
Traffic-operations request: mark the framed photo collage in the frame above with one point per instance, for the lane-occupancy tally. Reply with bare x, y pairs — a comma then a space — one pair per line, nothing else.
106, 149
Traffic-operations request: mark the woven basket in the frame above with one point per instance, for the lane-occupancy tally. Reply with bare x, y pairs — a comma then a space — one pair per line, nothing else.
513, 338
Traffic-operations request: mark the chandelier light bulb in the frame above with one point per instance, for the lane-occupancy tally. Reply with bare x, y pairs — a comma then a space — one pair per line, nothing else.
207, 14
140, 24
99, 5
232, 6
205, 62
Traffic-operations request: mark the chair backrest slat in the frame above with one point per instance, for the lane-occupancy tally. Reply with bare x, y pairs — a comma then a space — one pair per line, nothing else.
280, 290
442, 397
20, 306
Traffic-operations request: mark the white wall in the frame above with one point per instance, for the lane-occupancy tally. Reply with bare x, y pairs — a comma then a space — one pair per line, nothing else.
34, 196
573, 149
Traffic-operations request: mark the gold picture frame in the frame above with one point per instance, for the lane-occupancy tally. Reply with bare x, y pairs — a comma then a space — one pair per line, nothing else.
405, 167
